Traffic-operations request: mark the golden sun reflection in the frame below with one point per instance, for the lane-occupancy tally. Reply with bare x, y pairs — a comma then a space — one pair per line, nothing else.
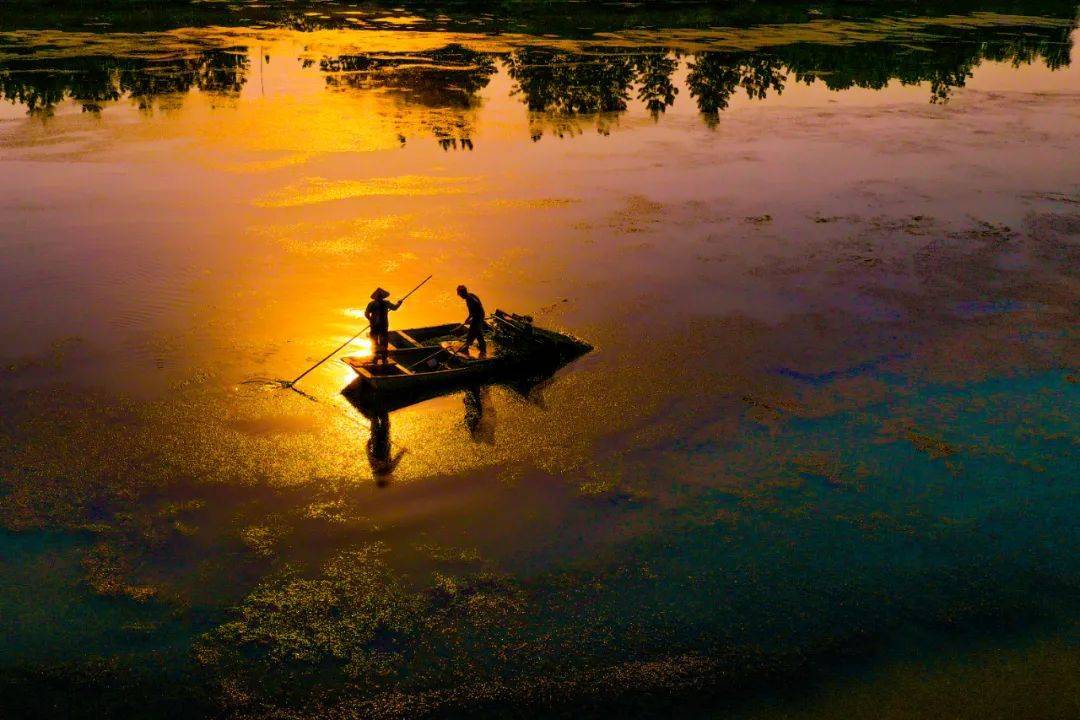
316, 190
360, 347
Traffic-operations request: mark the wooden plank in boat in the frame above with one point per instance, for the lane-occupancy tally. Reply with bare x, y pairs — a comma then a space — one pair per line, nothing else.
365, 367
408, 337
452, 347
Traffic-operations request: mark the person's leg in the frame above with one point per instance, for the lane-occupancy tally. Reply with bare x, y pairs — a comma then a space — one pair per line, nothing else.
382, 342
468, 341
481, 343
474, 334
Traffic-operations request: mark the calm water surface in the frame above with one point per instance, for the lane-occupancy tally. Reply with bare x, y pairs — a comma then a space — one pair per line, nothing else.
821, 461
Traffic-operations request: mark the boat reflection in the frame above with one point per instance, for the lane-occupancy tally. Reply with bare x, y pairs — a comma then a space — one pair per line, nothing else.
479, 414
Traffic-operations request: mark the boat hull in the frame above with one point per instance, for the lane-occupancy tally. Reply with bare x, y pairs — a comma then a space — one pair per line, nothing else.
418, 371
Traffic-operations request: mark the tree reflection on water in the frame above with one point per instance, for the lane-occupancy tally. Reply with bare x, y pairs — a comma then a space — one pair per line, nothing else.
444, 83
41, 85
438, 90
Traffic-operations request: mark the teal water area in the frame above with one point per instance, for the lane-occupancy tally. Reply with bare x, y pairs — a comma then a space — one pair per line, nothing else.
945, 517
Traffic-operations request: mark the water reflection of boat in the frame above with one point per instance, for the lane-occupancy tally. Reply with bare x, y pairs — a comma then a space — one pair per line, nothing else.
423, 362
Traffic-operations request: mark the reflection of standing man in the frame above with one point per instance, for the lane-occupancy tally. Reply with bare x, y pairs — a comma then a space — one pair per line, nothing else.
480, 415
378, 315
476, 320
379, 449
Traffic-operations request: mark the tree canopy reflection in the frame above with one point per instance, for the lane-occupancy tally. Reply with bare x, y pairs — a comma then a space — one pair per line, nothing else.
443, 84
41, 85
438, 92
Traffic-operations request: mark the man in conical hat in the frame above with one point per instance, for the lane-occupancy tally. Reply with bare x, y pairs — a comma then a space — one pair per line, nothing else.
378, 314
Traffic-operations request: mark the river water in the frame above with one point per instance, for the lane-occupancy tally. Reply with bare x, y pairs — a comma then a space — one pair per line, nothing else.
821, 460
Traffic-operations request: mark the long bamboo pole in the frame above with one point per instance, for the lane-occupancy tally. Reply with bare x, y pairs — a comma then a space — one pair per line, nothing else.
339, 348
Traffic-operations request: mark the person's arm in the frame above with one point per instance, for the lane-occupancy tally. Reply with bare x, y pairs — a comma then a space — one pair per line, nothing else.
395, 306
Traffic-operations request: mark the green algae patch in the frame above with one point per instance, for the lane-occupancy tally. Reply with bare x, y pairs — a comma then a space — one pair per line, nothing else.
933, 446
359, 624
107, 572
263, 540
354, 614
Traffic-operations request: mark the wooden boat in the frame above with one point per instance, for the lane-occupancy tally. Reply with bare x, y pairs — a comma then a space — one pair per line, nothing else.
423, 361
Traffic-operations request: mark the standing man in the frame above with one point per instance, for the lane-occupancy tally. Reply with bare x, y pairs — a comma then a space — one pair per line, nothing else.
378, 314
476, 321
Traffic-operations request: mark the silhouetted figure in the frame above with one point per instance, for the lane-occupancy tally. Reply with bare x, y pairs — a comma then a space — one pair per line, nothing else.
378, 314
380, 450
479, 414
476, 321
